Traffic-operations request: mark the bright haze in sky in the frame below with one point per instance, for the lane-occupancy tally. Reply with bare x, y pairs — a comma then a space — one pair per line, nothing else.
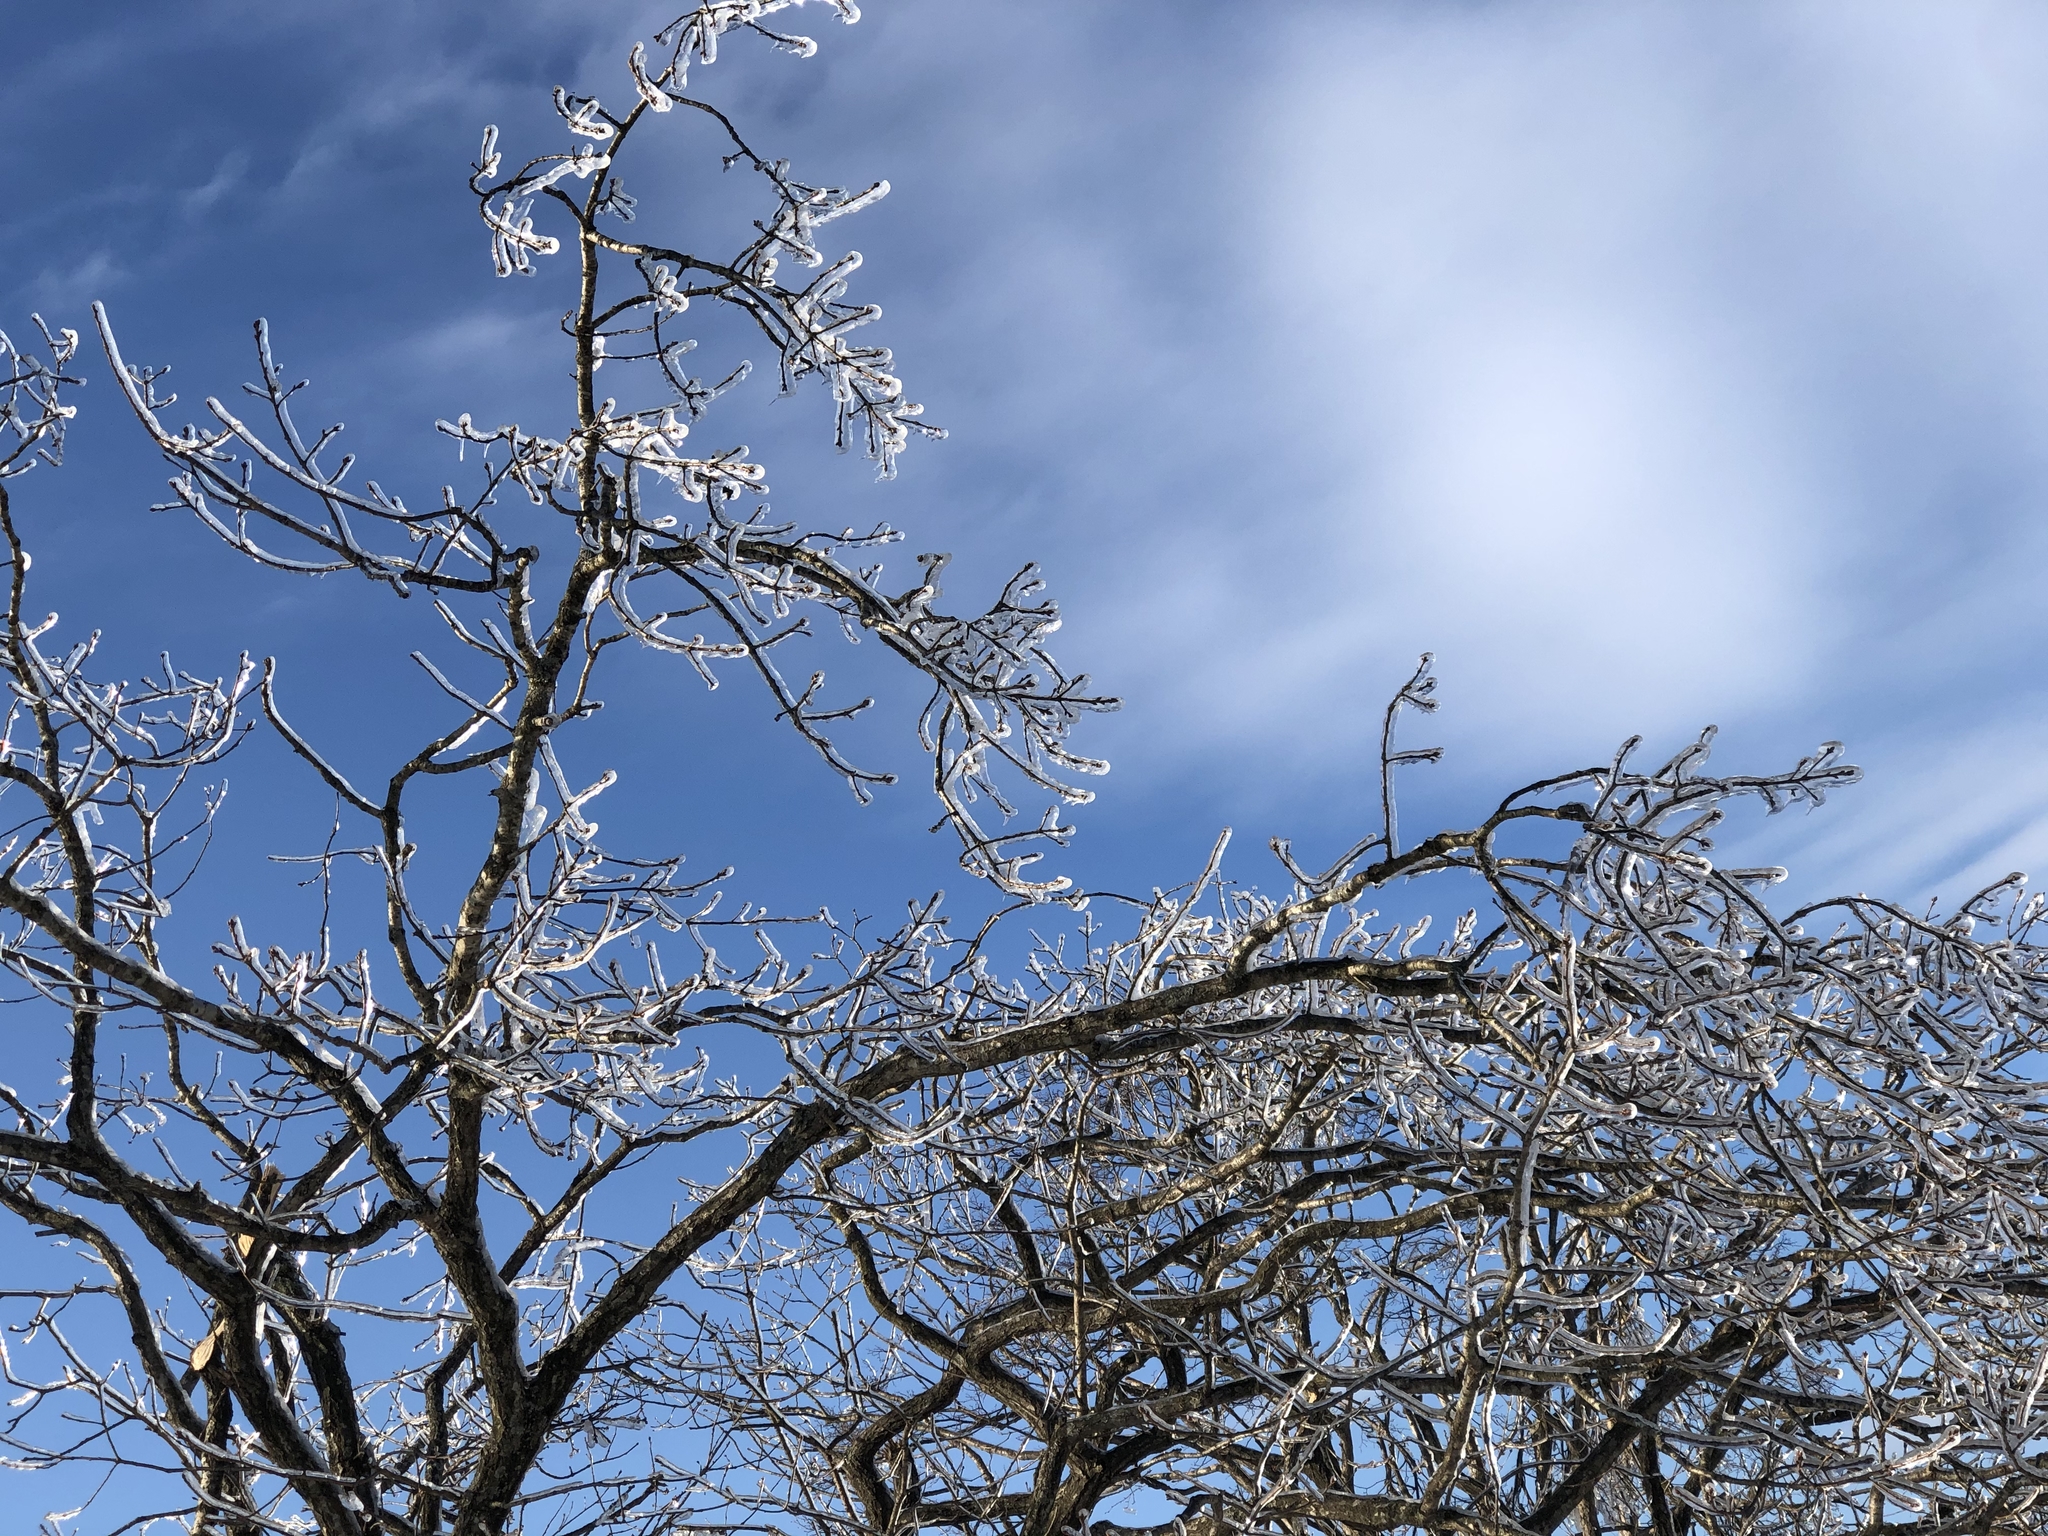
1652, 365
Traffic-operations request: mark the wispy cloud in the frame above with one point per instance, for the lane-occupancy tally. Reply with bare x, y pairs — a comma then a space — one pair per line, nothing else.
66, 290
225, 178
1653, 365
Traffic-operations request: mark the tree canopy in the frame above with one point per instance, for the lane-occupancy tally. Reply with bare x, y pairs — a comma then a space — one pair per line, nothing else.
1627, 1201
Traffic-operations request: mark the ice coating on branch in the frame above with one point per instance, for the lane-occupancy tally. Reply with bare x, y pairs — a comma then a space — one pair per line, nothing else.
583, 115
664, 288
488, 159
809, 326
33, 412
513, 240
616, 203
695, 34
656, 98
582, 162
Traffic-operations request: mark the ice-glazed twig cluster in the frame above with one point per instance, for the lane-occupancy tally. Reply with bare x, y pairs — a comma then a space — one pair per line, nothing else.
1630, 1206
710, 575
32, 411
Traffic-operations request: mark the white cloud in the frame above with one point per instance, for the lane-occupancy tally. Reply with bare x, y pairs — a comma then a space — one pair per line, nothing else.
225, 178
465, 344
62, 291
1654, 365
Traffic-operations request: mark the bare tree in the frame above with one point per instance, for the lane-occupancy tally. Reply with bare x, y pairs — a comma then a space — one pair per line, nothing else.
1632, 1205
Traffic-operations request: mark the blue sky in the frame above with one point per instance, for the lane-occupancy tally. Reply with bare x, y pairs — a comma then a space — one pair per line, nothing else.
1651, 364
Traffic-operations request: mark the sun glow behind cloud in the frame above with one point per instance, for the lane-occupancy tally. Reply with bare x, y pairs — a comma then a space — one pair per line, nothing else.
1656, 366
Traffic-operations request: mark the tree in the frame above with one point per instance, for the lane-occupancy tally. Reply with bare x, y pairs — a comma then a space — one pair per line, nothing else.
1632, 1205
